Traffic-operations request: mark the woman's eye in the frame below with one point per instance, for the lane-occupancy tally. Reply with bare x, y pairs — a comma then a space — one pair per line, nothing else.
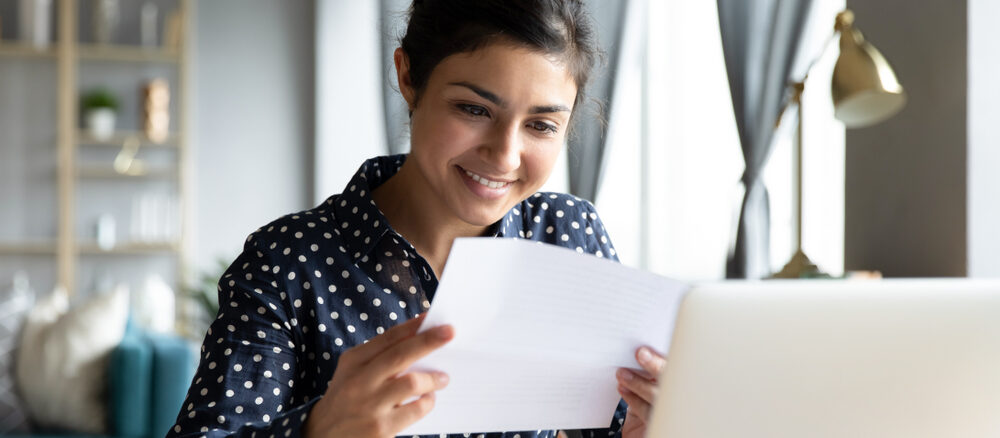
473, 110
546, 128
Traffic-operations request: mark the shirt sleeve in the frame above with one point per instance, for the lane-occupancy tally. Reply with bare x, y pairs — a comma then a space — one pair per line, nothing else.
244, 385
599, 243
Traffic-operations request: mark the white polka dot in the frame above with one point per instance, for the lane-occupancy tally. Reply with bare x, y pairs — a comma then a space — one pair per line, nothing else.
564, 237
221, 419
259, 400
338, 342
239, 409
237, 368
248, 384
392, 316
361, 288
376, 302
334, 315
347, 301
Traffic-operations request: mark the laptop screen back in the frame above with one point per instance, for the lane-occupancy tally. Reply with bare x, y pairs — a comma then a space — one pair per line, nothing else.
892, 358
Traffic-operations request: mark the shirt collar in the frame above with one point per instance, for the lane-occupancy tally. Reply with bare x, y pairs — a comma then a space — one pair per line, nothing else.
359, 222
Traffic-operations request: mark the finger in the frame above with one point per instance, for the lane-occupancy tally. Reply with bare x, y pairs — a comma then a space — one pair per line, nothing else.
363, 353
650, 361
639, 385
636, 406
399, 357
412, 384
409, 413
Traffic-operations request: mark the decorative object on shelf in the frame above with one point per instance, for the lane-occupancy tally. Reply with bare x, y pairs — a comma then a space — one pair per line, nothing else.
126, 162
156, 110
155, 219
106, 17
36, 27
99, 107
106, 234
153, 306
865, 91
147, 24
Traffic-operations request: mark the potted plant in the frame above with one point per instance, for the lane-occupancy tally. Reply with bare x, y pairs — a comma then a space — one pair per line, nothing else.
99, 108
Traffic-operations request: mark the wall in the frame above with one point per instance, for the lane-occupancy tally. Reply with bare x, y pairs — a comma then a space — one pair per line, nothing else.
984, 139
253, 119
906, 178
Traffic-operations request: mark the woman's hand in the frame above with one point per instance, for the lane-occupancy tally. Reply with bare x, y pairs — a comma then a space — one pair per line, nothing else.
638, 388
369, 396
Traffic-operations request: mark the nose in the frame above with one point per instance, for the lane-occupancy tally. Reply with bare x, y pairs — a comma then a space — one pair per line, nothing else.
503, 149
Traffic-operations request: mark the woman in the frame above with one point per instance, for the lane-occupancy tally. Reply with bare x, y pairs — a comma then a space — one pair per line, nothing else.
302, 344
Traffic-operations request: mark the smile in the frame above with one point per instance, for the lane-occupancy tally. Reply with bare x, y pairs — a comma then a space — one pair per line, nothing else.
487, 182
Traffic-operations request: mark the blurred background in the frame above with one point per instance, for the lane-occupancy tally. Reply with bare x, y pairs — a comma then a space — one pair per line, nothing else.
141, 141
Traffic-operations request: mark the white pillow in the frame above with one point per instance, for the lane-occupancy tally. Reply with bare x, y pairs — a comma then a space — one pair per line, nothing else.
62, 364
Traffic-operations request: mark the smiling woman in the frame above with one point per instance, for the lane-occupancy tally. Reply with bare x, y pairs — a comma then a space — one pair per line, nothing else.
318, 317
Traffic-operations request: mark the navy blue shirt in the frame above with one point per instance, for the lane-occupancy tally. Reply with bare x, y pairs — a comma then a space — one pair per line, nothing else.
310, 285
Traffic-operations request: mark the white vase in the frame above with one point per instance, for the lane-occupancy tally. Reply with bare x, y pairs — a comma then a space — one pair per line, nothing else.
35, 26
101, 123
106, 19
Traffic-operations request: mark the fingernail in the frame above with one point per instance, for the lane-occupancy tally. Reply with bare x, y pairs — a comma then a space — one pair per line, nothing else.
644, 355
442, 379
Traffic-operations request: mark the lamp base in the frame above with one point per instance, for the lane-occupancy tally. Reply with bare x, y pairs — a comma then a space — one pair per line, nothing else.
800, 267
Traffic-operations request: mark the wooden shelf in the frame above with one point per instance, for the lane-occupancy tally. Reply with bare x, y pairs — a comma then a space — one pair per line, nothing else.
29, 247
130, 248
22, 50
109, 173
104, 52
116, 140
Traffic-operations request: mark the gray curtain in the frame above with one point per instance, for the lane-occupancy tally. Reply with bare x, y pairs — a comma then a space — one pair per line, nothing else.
392, 26
587, 145
760, 39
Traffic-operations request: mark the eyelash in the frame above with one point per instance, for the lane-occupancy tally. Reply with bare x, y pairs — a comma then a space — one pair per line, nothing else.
478, 111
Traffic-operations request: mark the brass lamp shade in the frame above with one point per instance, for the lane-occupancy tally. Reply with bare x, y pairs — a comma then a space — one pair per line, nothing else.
864, 88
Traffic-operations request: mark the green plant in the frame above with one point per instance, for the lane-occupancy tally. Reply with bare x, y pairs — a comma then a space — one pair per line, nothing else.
99, 98
204, 290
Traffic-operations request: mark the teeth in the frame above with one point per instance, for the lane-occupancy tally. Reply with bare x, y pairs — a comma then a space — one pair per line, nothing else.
485, 182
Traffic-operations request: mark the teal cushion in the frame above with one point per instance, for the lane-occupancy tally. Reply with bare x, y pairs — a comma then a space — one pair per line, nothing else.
130, 376
173, 368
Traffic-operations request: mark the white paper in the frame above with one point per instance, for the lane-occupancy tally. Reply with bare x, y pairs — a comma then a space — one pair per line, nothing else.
539, 333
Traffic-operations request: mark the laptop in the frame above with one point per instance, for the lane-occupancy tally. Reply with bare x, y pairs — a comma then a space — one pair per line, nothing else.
824, 358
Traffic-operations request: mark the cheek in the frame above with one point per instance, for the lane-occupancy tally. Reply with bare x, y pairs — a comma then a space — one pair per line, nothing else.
541, 161
440, 135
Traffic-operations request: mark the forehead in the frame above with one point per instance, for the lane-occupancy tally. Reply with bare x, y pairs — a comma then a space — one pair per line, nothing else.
519, 75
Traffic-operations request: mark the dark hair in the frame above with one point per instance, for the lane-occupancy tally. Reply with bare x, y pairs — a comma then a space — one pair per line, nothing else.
440, 28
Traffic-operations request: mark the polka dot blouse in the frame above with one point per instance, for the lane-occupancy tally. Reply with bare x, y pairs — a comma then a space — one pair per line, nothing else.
310, 285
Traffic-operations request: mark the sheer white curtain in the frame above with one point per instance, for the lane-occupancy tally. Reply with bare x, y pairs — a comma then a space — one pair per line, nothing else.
667, 201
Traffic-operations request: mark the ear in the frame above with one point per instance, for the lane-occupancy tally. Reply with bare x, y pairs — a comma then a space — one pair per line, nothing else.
403, 77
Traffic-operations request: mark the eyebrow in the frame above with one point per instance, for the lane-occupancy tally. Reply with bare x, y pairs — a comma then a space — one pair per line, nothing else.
540, 109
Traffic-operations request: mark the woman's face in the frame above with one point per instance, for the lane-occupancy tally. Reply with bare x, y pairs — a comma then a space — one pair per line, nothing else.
488, 127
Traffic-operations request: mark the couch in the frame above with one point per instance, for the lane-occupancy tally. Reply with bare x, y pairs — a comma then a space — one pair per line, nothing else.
148, 378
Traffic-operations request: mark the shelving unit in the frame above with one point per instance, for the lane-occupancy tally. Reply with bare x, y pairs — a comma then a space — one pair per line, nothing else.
68, 53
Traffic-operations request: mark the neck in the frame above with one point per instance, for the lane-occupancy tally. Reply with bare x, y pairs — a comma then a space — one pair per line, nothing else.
421, 217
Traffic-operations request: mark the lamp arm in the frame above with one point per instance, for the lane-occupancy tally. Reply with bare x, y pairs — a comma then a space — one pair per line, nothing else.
795, 98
